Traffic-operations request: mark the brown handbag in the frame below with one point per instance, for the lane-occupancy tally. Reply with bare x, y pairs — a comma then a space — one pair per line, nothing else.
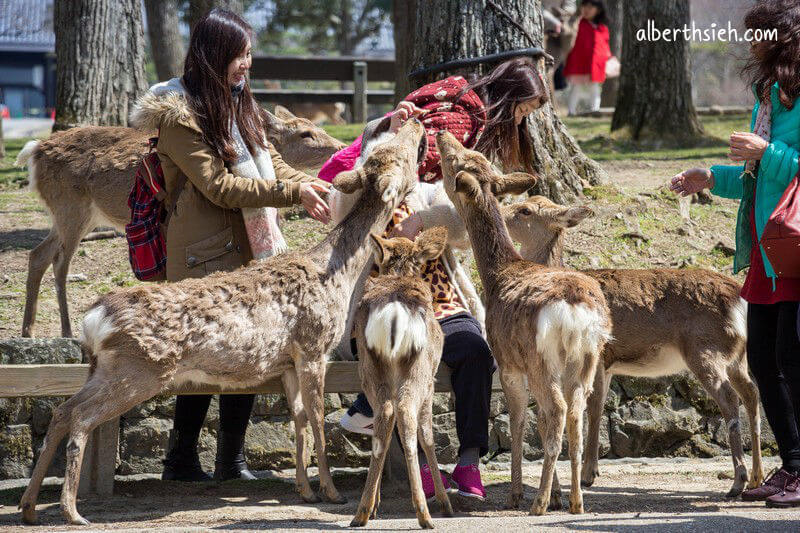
781, 237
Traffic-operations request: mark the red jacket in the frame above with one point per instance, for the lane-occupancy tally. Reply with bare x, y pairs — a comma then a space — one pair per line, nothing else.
462, 116
590, 53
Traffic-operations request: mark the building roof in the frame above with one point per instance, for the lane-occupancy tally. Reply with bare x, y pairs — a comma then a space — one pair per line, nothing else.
26, 25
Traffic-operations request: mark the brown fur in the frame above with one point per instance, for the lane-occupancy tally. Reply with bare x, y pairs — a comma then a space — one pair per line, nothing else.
526, 304
84, 176
401, 388
280, 316
689, 310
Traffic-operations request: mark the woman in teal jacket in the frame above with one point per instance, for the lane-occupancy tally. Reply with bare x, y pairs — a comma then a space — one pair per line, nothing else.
770, 154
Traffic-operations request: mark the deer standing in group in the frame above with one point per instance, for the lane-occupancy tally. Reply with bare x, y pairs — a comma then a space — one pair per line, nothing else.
545, 325
234, 329
85, 174
399, 347
665, 321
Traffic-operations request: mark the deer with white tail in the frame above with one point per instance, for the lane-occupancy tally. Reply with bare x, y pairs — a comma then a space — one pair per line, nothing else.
546, 326
665, 321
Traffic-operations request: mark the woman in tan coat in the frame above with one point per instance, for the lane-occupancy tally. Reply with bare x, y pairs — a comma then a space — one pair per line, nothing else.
223, 181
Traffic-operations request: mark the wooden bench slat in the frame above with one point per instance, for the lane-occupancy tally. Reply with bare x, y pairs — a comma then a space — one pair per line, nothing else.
18, 381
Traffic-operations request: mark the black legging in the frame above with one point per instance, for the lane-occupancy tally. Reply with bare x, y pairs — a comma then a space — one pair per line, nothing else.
234, 412
773, 353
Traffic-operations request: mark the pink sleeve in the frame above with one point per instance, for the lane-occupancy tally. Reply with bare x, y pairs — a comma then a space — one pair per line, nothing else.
344, 159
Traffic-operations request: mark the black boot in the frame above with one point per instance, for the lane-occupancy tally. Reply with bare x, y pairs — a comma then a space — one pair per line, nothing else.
230, 463
182, 462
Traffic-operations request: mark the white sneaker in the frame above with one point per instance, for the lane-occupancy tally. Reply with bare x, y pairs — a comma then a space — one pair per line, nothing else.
357, 423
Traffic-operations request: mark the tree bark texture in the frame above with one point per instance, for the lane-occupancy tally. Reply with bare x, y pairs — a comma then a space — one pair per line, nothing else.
455, 29
100, 61
655, 88
611, 86
166, 43
199, 8
404, 14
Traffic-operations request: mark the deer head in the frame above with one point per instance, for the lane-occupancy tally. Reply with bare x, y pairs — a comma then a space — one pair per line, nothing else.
538, 217
402, 257
302, 144
469, 177
390, 168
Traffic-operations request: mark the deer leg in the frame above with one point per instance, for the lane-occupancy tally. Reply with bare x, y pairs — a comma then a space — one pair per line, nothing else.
291, 388
715, 382
71, 236
596, 403
555, 489
517, 395
407, 426
748, 393
576, 407
550, 401
382, 438
39, 259
426, 439
60, 425
311, 377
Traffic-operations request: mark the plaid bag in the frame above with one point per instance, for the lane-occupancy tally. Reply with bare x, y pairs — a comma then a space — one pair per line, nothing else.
147, 247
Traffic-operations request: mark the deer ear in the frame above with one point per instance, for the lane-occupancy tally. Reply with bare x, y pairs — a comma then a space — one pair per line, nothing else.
514, 183
430, 243
271, 122
380, 250
572, 216
349, 181
467, 184
283, 113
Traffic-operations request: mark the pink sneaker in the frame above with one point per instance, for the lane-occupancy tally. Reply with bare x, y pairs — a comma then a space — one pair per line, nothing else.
427, 482
468, 479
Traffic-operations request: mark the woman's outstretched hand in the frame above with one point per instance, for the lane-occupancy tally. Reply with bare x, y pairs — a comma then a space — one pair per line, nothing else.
746, 146
691, 181
403, 112
315, 205
408, 228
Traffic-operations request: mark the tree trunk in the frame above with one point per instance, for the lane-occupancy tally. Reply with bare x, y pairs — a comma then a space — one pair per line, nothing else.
611, 86
404, 15
166, 43
199, 8
100, 61
655, 88
455, 29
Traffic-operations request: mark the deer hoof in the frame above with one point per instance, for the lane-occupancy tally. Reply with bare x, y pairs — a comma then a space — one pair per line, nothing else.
514, 501
360, 519
29, 514
425, 523
539, 506
447, 508
78, 520
555, 501
311, 497
333, 496
576, 507
588, 477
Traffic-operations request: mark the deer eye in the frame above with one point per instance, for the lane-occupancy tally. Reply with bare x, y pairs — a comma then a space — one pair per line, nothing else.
525, 211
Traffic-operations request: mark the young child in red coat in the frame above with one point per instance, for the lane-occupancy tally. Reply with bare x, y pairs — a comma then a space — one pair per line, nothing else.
585, 68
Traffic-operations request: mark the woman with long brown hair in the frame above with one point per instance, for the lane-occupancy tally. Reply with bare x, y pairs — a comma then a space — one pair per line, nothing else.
770, 154
223, 181
488, 114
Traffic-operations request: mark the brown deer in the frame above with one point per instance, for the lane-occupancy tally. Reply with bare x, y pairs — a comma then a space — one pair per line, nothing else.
84, 175
546, 325
665, 321
399, 345
234, 329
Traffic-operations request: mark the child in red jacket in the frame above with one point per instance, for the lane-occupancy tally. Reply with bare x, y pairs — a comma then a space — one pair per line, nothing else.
585, 68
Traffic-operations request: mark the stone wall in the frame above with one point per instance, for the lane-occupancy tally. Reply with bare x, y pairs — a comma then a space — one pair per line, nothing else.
643, 417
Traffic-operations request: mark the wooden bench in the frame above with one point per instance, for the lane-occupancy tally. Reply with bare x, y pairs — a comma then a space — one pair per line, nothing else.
100, 457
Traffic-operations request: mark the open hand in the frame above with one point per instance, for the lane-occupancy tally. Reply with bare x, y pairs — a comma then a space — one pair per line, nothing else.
315, 205
746, 146
691, 181
408, 228
403, 112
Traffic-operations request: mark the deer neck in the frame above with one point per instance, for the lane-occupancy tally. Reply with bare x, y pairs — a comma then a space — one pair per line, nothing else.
346, 250
491, 243
548, 251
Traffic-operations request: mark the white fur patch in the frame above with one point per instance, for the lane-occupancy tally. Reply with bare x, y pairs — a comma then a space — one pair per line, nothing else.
666, 360
97, 325
24, 159
737, 319
393, 330
573, 330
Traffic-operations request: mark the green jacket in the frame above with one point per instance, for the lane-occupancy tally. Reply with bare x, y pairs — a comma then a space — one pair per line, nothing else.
778, 166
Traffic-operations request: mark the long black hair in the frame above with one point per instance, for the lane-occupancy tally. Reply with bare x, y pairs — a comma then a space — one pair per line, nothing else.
602, 12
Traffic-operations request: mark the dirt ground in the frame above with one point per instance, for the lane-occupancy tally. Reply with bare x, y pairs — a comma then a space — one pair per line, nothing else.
643, 495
